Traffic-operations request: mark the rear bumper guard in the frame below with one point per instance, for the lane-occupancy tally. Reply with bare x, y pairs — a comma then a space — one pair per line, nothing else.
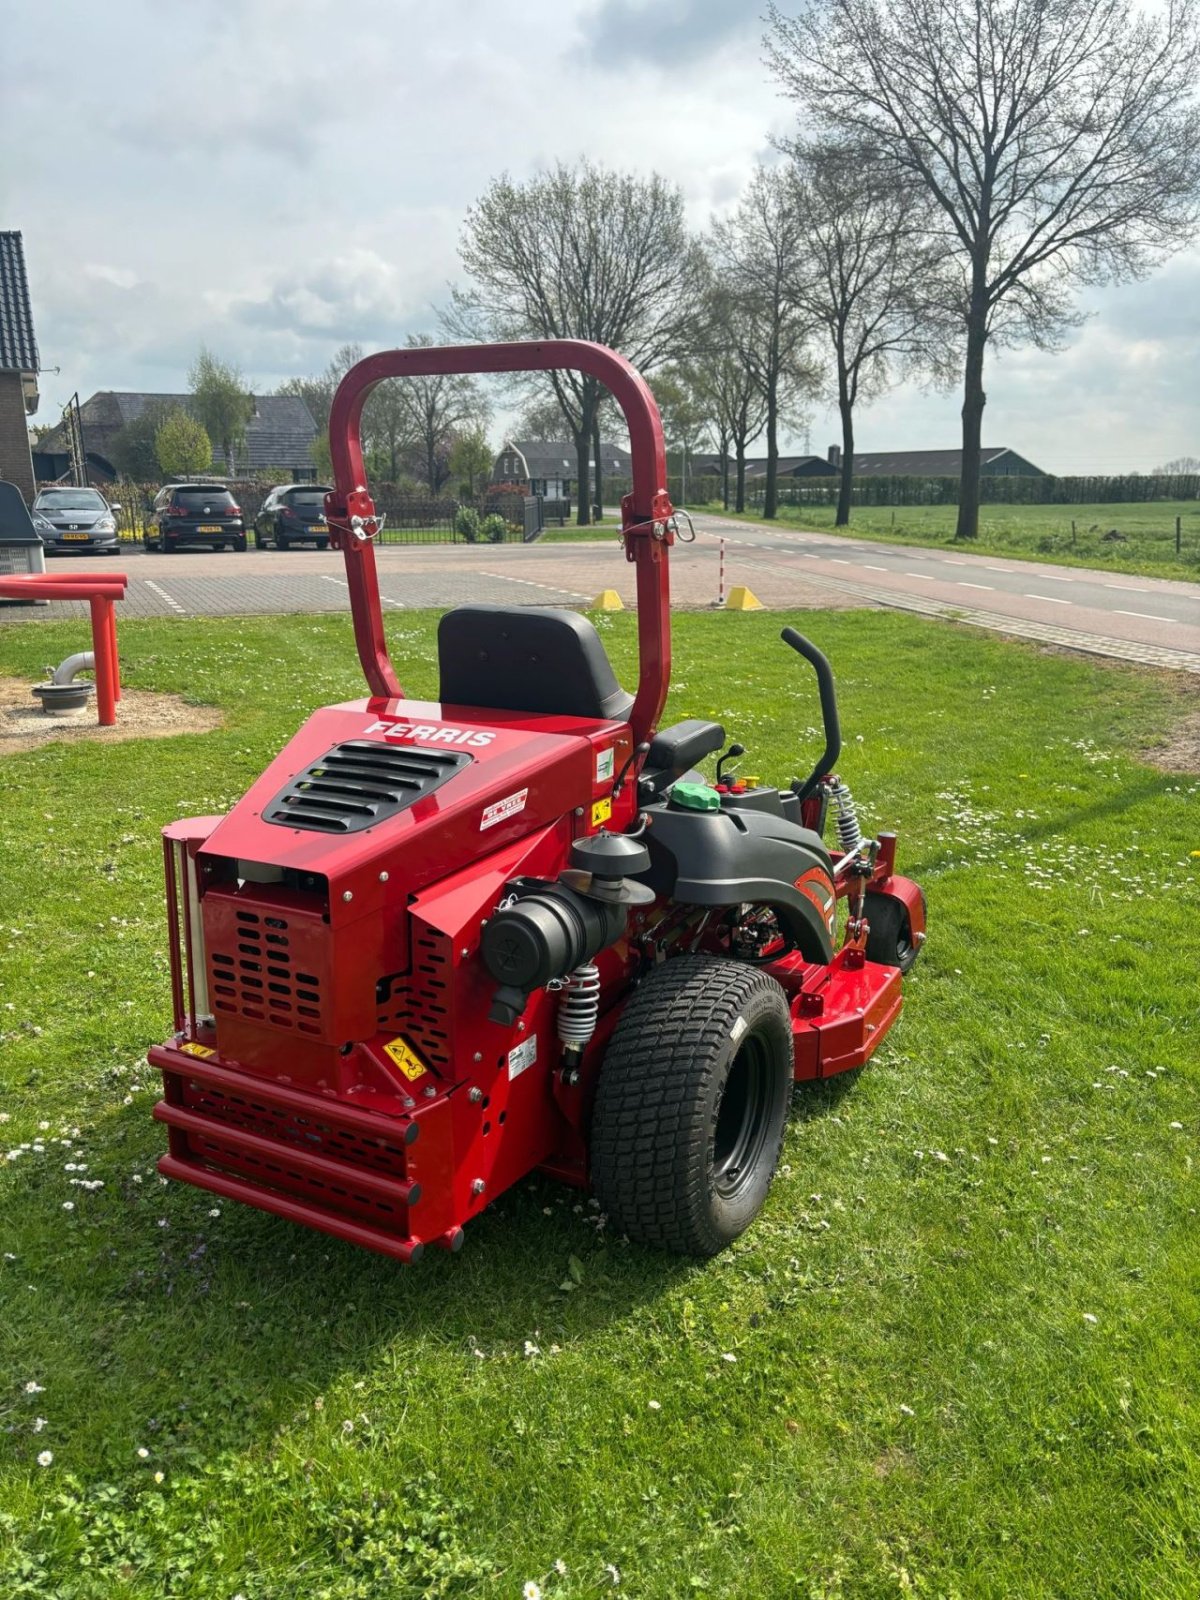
296, 1155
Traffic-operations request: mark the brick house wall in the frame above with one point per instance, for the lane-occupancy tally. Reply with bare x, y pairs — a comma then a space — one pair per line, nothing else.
16, 464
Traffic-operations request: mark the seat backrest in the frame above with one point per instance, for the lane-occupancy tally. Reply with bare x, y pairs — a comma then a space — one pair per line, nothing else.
527, 658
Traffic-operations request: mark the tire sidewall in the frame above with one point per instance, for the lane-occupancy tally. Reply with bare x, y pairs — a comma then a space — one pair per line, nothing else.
731, 1215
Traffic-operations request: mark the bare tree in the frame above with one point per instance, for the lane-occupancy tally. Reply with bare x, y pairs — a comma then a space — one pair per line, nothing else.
729, 389
317, 392
1181, 467
1059, 141
438, 405
867, 275
755, 250
582, 253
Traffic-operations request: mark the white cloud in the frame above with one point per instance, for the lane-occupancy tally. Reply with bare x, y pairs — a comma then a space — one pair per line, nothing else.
280, 177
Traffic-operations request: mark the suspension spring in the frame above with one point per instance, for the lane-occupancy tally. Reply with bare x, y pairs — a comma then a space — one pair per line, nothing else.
849, 833
579, 1007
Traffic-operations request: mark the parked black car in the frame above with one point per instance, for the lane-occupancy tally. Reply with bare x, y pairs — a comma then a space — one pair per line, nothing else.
76, 519
196, 514
293, 513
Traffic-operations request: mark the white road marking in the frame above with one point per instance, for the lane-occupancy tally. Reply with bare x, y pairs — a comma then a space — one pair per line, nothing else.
1130, 588
839, 561
953, 561
342, 584
163, 595
870, 568
550, 588
1050, 599
927, 576
1052, 577
963, 584
997, 569
1147, 616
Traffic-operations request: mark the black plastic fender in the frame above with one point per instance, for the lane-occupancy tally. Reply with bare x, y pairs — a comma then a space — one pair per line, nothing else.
728, 858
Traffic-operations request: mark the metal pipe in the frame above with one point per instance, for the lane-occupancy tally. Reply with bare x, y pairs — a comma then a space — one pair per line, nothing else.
81, 661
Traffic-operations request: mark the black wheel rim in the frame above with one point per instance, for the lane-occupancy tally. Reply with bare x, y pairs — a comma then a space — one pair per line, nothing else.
742, 1119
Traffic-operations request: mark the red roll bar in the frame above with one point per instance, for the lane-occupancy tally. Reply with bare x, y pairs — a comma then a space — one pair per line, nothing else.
645, 513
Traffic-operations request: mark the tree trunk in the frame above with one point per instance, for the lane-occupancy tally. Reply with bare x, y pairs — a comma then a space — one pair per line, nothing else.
846, 407
598, 467
583, 440
771, 492
974, 400
739, 503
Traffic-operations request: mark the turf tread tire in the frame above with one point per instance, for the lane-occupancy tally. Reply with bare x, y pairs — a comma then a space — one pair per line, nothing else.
659, 1087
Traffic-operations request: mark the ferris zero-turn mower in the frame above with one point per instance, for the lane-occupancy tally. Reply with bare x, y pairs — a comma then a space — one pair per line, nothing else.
440, 944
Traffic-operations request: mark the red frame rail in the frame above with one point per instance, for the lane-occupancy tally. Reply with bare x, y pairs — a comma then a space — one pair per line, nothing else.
101, 590
646, 513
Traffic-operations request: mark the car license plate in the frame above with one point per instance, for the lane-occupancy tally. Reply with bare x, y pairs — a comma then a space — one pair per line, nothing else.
82, 536
210, 527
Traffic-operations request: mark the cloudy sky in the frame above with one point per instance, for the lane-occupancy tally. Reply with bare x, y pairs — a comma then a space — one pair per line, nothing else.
275, 178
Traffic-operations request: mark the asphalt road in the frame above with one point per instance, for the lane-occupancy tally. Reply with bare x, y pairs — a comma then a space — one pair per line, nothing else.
1156, 621
1159, 615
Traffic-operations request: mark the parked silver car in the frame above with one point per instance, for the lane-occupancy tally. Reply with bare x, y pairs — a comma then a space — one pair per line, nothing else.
76, 519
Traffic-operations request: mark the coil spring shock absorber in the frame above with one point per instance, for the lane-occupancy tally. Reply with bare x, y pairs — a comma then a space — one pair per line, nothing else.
578, 1013
850, 836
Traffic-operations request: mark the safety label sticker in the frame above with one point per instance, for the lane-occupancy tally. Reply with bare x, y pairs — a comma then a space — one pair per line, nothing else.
201, 1050
406, 1058
601, 811
523, 1056
501, 810
604, 764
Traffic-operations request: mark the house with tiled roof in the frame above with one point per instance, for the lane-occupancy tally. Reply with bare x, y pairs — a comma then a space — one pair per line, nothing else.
18, 365
279, 435
549, 466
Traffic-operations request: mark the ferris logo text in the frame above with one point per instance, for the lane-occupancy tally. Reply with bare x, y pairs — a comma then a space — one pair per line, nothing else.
429, 733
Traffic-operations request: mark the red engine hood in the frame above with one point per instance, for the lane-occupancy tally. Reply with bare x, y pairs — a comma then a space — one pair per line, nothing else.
525, 772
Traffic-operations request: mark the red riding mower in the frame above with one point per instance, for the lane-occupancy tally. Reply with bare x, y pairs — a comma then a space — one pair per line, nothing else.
441, 944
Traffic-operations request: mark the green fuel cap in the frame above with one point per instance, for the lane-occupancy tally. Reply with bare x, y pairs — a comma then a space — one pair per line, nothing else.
695, 797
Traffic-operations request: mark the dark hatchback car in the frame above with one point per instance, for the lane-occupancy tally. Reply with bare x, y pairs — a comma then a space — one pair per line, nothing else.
76, 519
202, 514
293, 513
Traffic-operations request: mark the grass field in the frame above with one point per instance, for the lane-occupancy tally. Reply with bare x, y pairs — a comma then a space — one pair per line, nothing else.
1032, 533
955, 1357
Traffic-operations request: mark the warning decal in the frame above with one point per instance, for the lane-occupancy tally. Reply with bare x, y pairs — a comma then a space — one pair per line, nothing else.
406, 1058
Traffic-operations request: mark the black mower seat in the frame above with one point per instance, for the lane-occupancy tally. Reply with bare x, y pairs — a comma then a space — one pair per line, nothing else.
527, 658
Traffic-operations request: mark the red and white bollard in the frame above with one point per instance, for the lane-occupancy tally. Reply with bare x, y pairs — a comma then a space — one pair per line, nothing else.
719, 602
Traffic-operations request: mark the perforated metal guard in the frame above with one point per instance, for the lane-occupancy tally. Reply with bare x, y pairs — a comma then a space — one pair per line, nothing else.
360, 783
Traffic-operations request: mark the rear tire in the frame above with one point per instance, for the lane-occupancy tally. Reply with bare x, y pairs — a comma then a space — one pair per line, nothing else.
691, 1104
890, 941
322, 544
281, 544
240, 546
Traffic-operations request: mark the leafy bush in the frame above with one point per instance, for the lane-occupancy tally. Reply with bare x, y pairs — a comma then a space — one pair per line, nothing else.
466, 523
494, 528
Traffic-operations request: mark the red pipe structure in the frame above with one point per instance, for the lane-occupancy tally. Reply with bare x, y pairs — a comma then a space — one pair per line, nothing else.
646, 513
101, 590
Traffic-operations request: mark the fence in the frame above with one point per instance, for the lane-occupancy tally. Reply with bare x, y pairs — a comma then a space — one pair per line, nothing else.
919, 491
408, 518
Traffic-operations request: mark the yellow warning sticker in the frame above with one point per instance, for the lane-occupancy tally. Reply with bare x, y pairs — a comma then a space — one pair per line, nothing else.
601, 811
201, 1050
406, 1058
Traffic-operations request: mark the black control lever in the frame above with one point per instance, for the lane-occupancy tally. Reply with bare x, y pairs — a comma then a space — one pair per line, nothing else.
829, 711
734, 751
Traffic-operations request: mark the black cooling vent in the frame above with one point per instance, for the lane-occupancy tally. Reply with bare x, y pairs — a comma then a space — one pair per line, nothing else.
360, 783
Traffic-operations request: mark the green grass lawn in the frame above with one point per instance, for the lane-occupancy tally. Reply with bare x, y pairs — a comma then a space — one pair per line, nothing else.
955, 1357
1031, 533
